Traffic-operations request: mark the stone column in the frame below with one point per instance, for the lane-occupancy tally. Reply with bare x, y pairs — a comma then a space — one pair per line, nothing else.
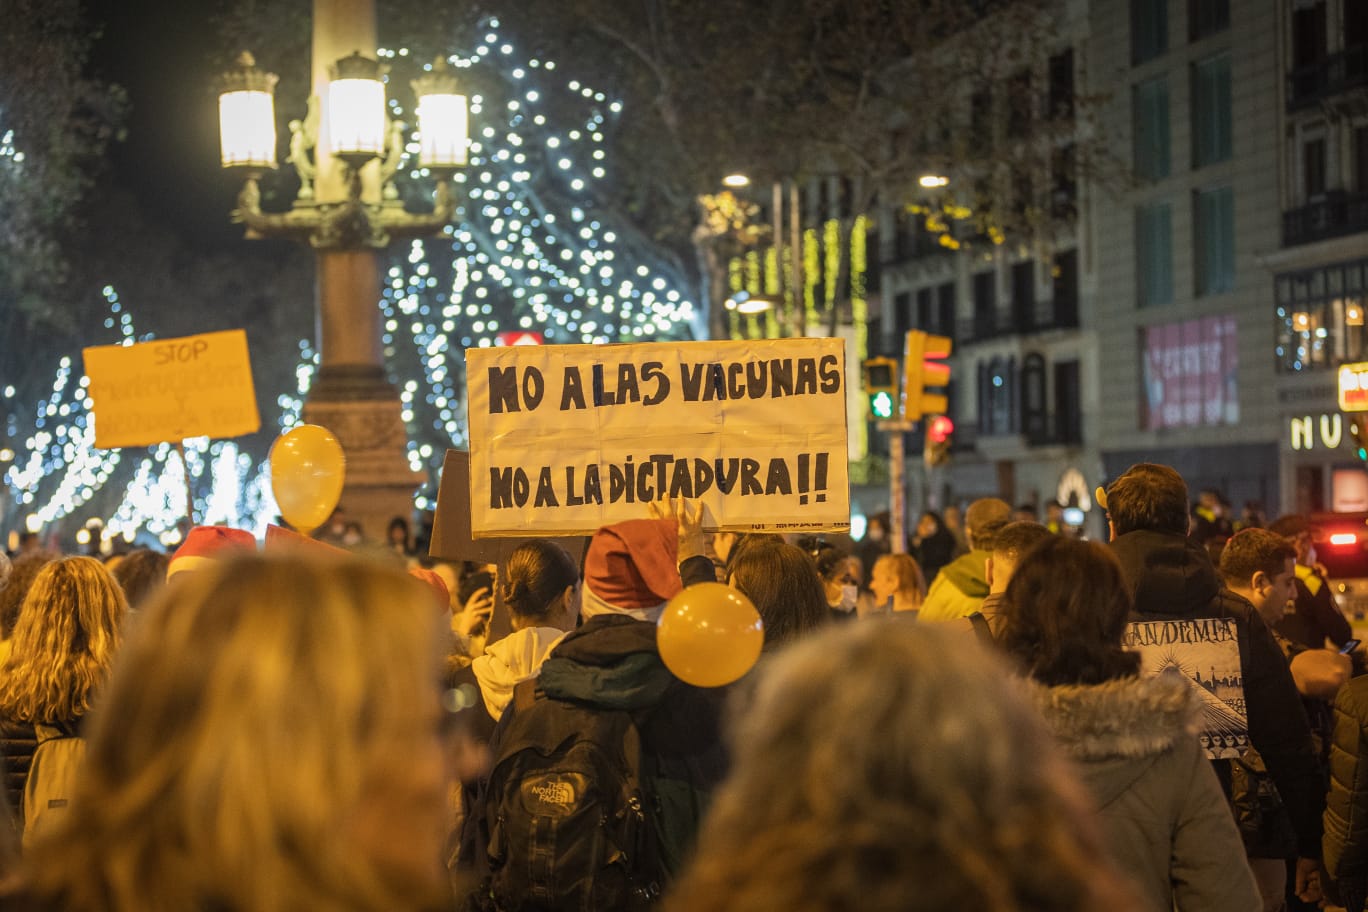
351, 396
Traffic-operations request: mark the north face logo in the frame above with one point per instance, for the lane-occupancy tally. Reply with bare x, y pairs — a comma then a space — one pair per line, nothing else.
556, 794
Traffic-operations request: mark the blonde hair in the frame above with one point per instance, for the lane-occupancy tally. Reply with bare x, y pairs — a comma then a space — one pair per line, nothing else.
255, 708
886, 766
64, 642
911, 583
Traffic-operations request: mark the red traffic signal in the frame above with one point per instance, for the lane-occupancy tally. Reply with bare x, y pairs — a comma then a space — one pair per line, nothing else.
939, 429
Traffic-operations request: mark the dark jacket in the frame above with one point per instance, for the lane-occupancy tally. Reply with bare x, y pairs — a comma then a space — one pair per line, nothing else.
612, 662
1172, 578
1315, 617
18, 742
1346, 808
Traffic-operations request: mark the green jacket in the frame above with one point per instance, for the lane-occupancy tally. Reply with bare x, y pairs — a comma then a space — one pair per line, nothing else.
958, 589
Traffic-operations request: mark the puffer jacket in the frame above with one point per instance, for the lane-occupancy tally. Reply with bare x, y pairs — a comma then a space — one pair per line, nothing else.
1167, 823
18, 742
1171, 578
1346, 808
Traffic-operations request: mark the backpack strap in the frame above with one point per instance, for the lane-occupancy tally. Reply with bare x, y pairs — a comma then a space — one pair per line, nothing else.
524, 695
981, 629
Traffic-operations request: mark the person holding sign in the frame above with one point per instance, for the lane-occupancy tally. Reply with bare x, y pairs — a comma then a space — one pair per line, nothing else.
1179, 601
1161, 804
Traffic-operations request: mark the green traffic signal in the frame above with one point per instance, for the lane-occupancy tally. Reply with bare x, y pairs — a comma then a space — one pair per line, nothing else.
881, 404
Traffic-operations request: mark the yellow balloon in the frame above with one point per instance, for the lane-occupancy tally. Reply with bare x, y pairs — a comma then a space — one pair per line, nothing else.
709, 635
307, 471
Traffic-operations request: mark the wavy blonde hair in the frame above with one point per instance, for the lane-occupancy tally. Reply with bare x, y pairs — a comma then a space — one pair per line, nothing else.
888, 767
256, 709
64, 642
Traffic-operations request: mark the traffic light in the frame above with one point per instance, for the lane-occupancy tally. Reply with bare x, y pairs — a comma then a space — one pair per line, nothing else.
1358, 429
881, 386
919, 373
939, 431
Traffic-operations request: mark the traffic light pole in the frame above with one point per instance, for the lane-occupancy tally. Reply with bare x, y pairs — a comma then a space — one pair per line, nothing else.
897, 485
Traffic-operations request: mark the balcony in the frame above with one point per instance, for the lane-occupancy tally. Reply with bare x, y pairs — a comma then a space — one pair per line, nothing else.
1042, 318
1055, 430
1338, 214
1329, 76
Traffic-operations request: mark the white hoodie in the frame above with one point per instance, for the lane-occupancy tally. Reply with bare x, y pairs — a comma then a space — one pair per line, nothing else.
510, 661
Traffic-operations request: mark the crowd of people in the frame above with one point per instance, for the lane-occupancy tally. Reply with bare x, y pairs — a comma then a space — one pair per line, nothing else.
966, 720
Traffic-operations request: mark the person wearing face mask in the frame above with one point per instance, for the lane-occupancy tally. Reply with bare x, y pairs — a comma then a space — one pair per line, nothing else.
1315, 616
875, 543
840, 584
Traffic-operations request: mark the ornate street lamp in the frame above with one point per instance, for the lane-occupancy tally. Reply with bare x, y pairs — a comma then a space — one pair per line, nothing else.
443, 119
358, 130
347, 151
247, 134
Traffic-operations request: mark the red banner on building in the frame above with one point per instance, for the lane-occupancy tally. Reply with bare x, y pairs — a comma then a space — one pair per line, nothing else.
1191, 374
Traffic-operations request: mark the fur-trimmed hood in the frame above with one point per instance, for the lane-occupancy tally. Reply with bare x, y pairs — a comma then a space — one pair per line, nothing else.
1116, 729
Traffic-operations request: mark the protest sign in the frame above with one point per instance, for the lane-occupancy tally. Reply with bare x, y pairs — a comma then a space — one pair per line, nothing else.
1206, 652
567, 438
171, 389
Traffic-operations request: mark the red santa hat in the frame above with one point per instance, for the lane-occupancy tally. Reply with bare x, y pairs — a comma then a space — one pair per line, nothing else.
433, 581
206, 544
631, 568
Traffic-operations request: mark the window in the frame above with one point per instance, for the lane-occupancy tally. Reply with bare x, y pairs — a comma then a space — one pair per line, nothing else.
1033, 417
1321, 317
1361, 159
1313, 168
1211, 111
1062, 85
1064, 184
945, 308
1213, 216
985, 304
1150, 128
1149, 29
1023, 296
1355, 24
999, 396
924, 317
1308, 33
981, 120
1020, 105
1207, 17
1154, 254
903, 317
1068, 410
1064, 282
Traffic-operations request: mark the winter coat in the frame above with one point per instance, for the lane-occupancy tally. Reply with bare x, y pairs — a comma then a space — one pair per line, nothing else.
1171, 578
1315, 617
1346, 808
509, 661
18, 742
612, 662
959, 589
1166, 821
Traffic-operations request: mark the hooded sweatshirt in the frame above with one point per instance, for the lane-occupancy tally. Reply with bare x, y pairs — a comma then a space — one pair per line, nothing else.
1166, 821
959, 588
510, 661
1171, 578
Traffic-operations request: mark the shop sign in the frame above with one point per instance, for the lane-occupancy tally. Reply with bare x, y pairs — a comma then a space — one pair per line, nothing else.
1353, 387
1304, 431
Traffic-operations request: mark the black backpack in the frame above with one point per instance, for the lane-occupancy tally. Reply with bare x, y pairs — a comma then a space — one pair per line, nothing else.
569, 825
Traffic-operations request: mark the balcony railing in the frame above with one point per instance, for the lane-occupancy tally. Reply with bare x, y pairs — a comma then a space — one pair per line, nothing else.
1328, 76
1056, 430
1042, 318
1338, 214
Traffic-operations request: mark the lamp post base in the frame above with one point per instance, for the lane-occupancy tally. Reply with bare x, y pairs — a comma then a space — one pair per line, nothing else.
363, 412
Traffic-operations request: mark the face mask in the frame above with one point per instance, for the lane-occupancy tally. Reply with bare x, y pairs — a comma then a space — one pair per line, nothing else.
849, 596
1311, 555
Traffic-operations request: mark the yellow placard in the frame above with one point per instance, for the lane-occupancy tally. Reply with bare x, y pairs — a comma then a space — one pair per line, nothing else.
566, 438
171, 389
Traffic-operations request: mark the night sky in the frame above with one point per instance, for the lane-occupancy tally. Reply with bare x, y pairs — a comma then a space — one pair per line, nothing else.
162, 54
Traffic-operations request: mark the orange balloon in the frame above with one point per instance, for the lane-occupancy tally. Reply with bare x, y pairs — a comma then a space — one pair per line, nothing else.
307, 471
709, 635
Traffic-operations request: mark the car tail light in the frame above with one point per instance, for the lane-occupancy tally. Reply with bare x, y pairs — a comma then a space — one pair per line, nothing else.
1343, 538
